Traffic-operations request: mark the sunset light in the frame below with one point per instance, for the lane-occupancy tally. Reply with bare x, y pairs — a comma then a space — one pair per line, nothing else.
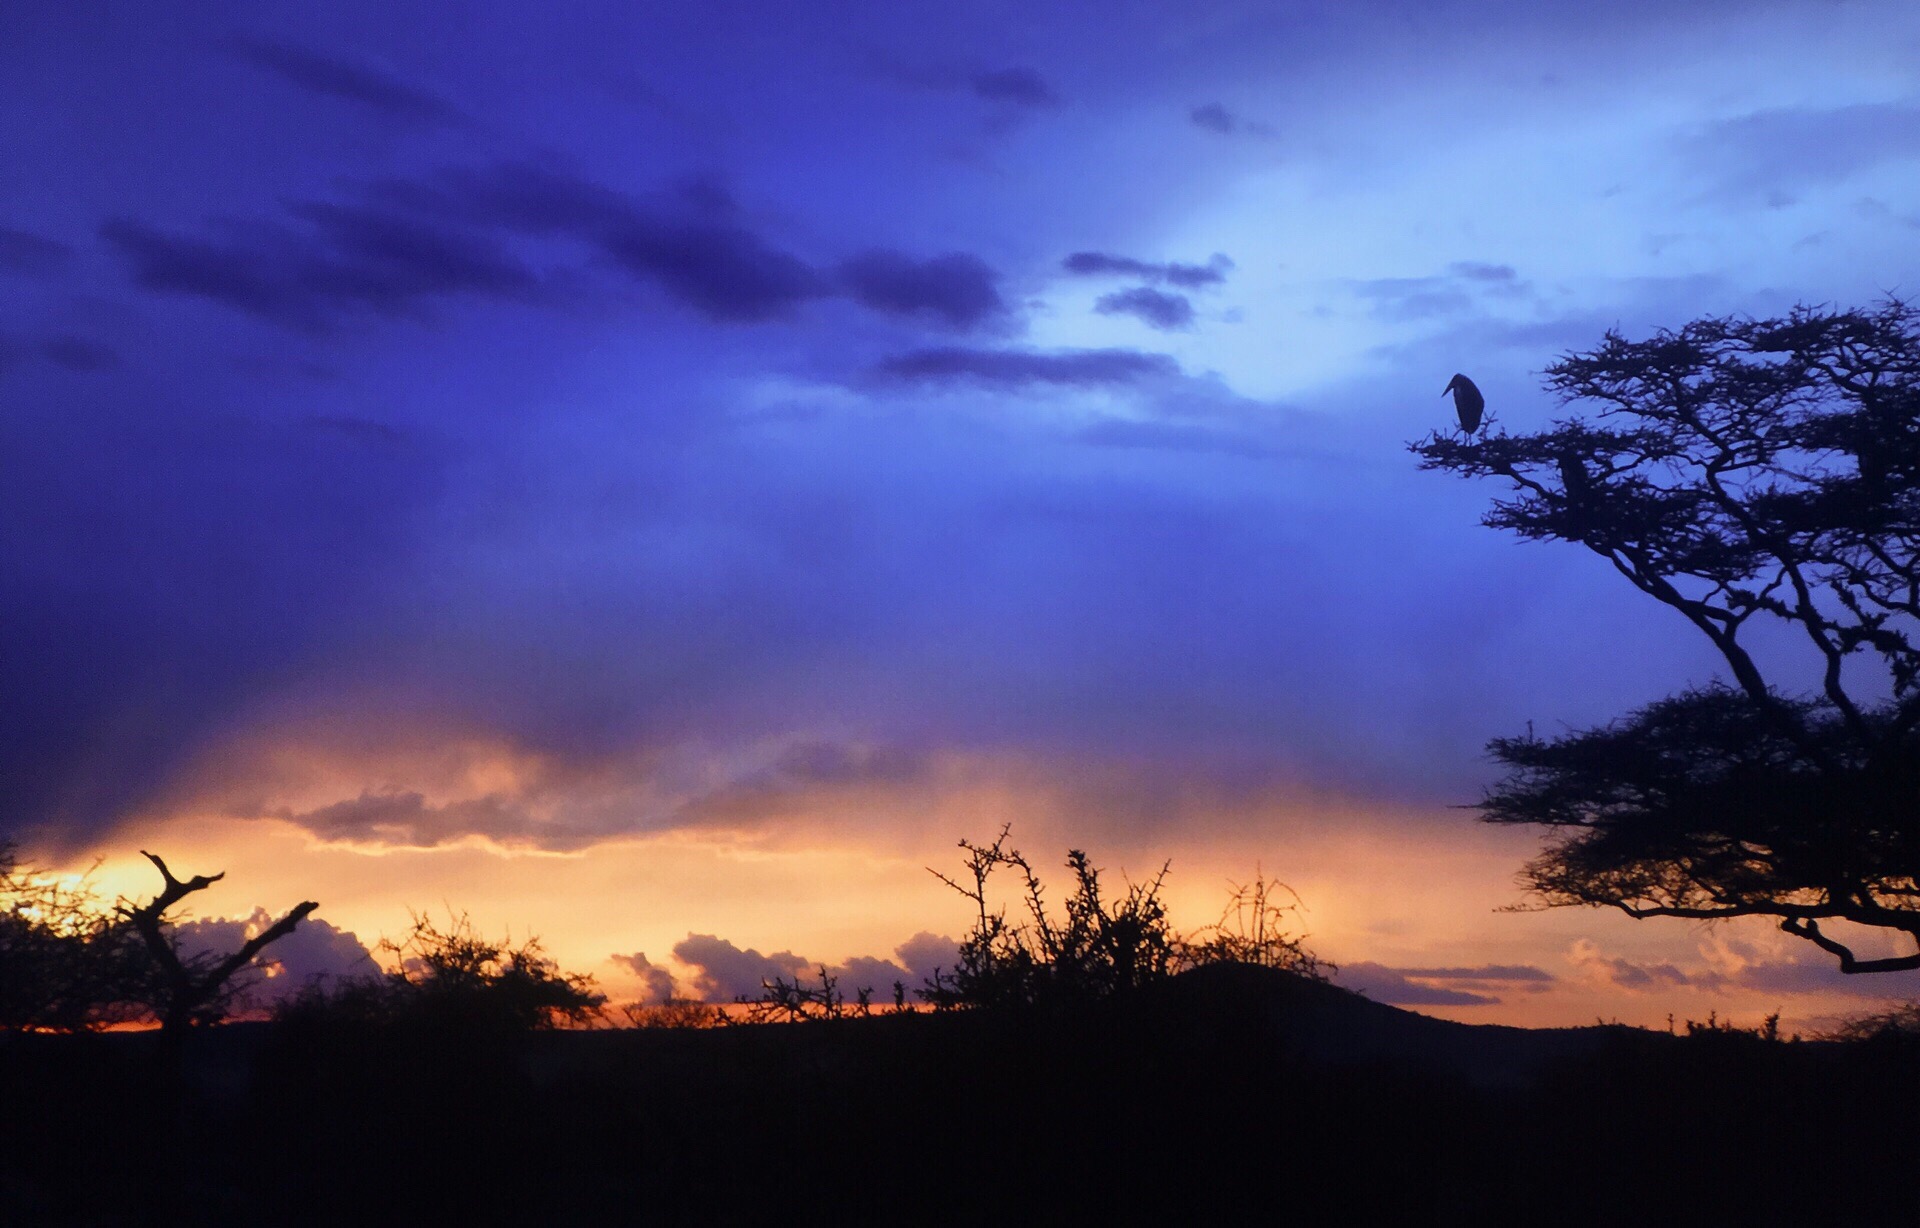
652, 481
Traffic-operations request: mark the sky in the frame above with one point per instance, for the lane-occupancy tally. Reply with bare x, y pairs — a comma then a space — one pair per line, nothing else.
657, 477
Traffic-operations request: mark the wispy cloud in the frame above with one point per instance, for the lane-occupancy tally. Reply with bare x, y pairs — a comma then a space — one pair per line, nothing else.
1011, 368
333, 77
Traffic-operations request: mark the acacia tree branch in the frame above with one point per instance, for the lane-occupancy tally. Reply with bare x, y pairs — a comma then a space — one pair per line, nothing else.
1809, 929
186, 993
253, 946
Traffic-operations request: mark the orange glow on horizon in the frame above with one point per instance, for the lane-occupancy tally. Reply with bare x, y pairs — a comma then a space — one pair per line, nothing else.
832, 879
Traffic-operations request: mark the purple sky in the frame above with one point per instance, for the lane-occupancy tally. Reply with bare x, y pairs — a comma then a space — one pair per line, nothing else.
708, 406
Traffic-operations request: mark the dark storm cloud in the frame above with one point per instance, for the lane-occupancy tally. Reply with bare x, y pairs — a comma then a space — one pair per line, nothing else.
398, 245
689, 241
1393, 986
1154, 308
409, 820
956, 289
336, 78
1012, 368
31, 255
163, 565
1188, 276
1022, 87
347, 260
1767, 156
723, 271
79, 354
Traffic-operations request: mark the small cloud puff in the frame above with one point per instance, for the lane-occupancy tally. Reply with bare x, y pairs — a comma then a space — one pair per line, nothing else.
1216, 118
1187, 276
1154, 308
1022, 87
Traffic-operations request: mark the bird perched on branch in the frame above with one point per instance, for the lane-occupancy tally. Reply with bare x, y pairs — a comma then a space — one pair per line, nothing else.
1467, 401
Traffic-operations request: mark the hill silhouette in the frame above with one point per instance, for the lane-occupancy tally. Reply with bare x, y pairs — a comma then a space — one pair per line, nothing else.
1221, 1093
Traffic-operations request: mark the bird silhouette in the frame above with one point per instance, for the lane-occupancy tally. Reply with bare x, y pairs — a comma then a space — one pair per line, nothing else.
1467, 401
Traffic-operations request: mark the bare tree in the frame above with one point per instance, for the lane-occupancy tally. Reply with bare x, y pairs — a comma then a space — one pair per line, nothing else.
1739, 472
190, 991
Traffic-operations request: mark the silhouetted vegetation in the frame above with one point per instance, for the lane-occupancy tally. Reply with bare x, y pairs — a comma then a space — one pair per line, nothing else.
1740, 472
790, 1001
673, 1014
190, 990
1097, 949
448, 1090
69, 962
1254, 928
1895, 1025
450, 979
1100, 946
1202, 1097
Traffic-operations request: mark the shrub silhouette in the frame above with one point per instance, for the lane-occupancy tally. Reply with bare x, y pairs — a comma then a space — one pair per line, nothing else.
1252, 929
1895, 1025
784, 1001
67, 962
1099, 949
1102, 947
675, 1014
453, 978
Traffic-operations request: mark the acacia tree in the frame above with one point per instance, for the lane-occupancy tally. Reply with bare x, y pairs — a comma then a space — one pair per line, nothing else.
1740, 472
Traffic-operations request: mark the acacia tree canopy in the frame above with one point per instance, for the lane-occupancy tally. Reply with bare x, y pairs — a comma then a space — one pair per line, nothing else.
1741, 472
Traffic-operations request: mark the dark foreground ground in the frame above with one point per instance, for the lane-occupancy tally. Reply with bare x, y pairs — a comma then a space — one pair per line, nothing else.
1235, 1095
